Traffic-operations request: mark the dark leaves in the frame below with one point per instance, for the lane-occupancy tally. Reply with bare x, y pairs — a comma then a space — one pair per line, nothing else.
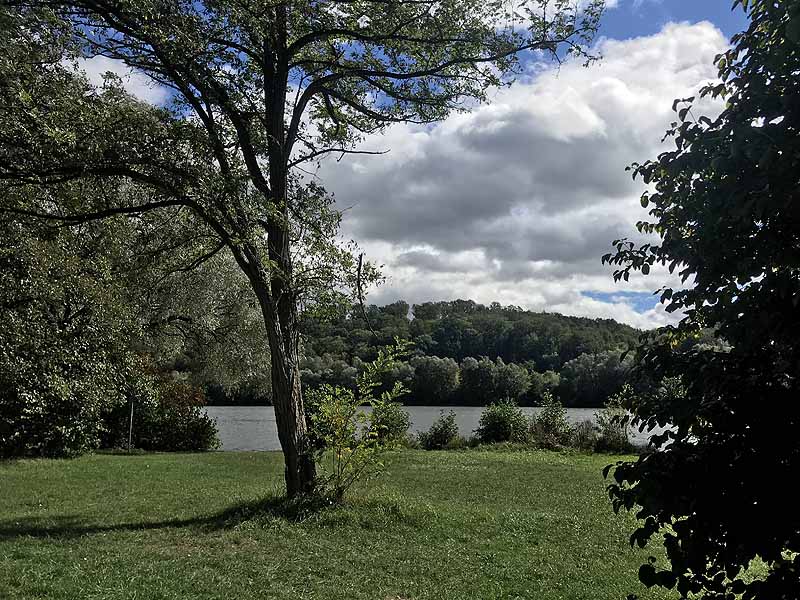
729, 372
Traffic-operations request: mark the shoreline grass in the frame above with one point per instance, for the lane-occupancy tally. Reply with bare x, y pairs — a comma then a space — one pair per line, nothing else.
435, 525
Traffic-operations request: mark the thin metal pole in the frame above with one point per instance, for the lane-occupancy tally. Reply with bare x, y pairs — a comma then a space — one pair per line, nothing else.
130, 429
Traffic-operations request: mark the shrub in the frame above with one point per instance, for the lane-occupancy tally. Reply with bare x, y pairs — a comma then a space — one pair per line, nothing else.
613, 424
353, 439
550, 428
502, 422
167, 417
584, 436
391, 422
49, 415
443, 433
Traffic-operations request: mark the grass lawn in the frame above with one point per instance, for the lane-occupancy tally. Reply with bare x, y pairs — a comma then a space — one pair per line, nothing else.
435, 525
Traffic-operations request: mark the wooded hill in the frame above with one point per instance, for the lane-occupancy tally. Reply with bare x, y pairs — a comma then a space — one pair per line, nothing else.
463, 328
468, 353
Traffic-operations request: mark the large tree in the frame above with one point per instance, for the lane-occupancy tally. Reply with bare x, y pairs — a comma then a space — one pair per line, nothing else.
726, 205
258, 88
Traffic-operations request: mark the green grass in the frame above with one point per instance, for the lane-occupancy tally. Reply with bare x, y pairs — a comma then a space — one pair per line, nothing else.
435, 525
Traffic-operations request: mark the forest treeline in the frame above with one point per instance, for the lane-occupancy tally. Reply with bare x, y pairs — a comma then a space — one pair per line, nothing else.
465, 353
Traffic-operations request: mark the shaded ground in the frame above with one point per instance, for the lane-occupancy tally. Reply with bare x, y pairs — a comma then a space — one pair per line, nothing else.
455, 525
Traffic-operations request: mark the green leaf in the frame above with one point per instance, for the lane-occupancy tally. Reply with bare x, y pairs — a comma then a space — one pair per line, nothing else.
793, 29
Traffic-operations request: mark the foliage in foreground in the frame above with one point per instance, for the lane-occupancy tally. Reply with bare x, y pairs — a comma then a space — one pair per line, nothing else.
63, 358
68, 373
351, 439
443, 434
725, 203
169, 419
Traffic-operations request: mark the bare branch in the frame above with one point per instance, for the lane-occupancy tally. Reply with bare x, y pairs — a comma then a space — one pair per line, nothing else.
341, 151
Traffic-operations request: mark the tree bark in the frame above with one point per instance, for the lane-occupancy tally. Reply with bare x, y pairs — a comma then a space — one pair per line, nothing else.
280, 313
300, 470
287, 397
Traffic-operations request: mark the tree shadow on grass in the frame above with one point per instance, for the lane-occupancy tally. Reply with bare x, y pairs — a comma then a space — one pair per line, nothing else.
364, 513
75, 526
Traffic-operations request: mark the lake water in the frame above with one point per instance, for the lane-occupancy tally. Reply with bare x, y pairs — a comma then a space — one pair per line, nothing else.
253, 427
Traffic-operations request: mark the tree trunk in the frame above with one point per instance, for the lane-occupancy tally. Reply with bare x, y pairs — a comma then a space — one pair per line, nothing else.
287, 397
300, 470
278, 297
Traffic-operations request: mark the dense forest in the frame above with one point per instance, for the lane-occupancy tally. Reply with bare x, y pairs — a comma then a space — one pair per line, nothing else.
466, 353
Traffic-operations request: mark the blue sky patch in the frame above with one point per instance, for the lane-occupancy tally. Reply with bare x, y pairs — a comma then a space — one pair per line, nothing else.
633, 18
639, 301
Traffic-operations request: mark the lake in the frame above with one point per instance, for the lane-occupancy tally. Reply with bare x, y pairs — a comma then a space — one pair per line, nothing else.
253, 427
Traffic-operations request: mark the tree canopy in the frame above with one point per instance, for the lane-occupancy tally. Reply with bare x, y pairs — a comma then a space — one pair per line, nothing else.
724, 202
468, 353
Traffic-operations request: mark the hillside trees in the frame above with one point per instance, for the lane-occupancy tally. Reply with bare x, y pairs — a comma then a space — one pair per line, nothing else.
591, 379
260, 88
588, 351
724, 202
539, 341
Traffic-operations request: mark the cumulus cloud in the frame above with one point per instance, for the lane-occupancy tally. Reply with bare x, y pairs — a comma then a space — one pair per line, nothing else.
517, 200
136, 83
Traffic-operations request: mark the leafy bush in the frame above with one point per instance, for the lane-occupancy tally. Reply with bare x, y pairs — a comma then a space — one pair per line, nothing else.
613, 423
49, 415
63, 334
167, 417
502, 422
353, 439
391, 422
584, 436
443, 433
550, 428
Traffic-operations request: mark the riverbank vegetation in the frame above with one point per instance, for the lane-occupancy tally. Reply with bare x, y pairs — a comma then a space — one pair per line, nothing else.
349, 443
435, 525
503, 423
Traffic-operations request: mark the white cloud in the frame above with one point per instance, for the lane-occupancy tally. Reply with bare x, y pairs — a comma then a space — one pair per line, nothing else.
517, 200
135, 83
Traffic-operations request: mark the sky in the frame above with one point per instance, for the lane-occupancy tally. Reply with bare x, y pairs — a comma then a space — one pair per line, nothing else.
517, 200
